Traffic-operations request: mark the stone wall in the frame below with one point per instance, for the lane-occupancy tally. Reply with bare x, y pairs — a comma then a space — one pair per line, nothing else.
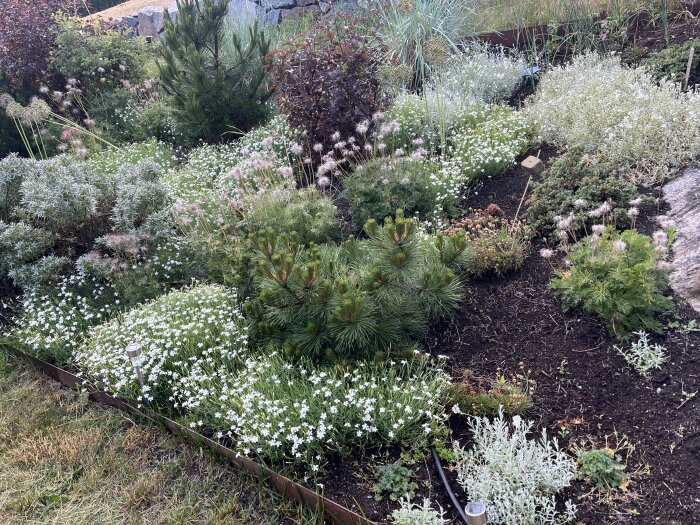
149, 21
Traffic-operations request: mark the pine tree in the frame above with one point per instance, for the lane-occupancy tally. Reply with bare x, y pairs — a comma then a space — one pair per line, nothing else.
214, 91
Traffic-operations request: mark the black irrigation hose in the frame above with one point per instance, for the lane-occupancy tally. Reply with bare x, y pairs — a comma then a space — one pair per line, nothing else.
455, 503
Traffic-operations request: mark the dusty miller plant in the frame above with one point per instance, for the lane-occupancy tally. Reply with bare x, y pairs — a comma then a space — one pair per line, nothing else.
642, 355
517, 478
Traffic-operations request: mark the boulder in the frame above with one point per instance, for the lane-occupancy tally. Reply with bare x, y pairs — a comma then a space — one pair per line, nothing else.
151, 20
683, 196
280, 4
244, 11
272, 18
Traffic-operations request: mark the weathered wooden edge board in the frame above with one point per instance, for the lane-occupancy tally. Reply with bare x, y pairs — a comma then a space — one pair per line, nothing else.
334, 513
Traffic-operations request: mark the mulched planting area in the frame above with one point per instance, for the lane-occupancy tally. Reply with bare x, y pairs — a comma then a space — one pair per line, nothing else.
584, 391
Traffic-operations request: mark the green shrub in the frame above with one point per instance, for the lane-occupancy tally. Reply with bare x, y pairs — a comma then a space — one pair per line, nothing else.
178, 333
212, 93
571, 185
603, 467
100, 59
395, 480
362, 299
377, 188
306, 212
672, 62
616, 277
109, 160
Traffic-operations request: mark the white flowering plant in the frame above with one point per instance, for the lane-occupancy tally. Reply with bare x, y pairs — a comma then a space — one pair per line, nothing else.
517, 478
177, 332
53, 325
485, 143
299, 412
480, 75
619, 116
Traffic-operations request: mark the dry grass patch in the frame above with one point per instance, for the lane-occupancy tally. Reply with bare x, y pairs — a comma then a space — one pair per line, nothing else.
64, 460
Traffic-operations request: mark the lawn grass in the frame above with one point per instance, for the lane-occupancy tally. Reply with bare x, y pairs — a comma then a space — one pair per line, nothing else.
65, 460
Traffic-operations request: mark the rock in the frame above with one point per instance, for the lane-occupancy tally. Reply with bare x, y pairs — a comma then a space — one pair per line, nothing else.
298, 12
532, 165
305, 3
244, 11
131, 21
151, 20
683, 196
280, 4
272, 18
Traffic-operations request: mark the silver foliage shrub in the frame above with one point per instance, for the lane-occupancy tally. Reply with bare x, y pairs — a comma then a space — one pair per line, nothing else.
619, 116
11, 170
44, 272
59, 192
415, 514
481, 75
517, 478
21, 243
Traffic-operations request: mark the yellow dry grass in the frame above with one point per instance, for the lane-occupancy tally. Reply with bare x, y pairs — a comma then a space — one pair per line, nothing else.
129, 8
64, 460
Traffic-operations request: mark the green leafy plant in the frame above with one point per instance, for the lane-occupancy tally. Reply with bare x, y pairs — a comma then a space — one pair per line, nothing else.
672, 62
213, 93
573, 185
362, 299
615, 276
394, 480
602, 466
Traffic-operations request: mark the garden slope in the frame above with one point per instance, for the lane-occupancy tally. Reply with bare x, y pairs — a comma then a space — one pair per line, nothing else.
516, 325
130, 8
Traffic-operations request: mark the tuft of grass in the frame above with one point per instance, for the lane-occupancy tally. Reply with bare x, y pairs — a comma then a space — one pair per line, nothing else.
65, 460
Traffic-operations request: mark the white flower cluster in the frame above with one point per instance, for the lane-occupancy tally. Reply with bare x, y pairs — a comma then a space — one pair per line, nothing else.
641, 355
517, 479
485, 146
278, 410
177, 332
480, 76
414, 514
55, 325
111, 159
621, 117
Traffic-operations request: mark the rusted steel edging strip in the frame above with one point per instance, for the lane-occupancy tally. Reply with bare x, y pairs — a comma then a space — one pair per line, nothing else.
334, 513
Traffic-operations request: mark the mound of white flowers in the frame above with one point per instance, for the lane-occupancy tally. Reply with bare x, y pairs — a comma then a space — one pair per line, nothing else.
177, 332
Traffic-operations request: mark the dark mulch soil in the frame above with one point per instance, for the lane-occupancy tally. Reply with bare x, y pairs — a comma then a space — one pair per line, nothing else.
515, 325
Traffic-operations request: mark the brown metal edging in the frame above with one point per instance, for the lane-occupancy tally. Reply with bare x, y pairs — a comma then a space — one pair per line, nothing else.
334, 513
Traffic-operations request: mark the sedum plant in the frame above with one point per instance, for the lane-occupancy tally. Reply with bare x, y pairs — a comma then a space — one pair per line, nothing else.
394, 479
177, 331
518, 479
362, 299
616, 276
